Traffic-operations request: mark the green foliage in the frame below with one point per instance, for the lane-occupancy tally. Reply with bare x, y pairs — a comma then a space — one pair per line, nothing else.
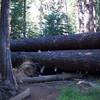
16, 18
53, 24
32, 30
17, 21
56, 23
60, 18
72, 93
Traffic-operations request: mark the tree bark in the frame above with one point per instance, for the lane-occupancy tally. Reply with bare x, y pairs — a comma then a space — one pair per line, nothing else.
24, 20
68, 61
49, 78
92, 16
86, 16
81, 15
59, 42
5, 57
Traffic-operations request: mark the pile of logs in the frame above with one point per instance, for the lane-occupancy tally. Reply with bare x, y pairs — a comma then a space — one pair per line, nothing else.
69, 53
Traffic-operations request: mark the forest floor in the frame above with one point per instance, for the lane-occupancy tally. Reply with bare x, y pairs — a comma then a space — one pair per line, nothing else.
52, 90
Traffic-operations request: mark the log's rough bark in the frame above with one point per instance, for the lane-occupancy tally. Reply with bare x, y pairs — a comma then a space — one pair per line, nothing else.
67, 61
59, 42
49, 78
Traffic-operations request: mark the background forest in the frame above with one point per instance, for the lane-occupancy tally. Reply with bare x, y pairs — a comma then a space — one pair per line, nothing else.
58, 56
32, 18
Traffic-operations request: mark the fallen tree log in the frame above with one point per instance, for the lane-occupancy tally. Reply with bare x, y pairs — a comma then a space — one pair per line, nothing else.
59, 42
22, 95
68, 61
49, 78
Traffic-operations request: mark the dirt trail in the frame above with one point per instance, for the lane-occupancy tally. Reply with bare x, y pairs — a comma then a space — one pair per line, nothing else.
45, 91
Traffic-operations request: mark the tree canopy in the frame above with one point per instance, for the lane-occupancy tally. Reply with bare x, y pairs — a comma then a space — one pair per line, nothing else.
53, 17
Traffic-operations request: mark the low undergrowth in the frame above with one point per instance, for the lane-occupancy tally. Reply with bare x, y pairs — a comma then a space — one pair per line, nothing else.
72, 93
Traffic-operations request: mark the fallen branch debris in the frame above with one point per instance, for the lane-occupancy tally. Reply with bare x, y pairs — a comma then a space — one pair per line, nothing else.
22, 95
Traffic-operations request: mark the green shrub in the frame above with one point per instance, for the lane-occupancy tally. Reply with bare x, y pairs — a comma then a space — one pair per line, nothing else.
71, 93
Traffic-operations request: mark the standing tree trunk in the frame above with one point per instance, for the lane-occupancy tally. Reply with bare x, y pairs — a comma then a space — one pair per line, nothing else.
97, 8
86, 14
41, 16
66, 19
5, 57
81, 15
24, 27
92, 16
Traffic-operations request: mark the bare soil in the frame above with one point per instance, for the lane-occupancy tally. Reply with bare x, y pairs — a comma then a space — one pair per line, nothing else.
45, 91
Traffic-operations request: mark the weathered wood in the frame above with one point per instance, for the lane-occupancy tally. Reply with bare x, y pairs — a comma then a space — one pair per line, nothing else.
69, 60
49, 78
59, 42
22, 95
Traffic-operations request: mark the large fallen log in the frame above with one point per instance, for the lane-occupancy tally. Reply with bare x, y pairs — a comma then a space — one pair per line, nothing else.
69, 61
59, 42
